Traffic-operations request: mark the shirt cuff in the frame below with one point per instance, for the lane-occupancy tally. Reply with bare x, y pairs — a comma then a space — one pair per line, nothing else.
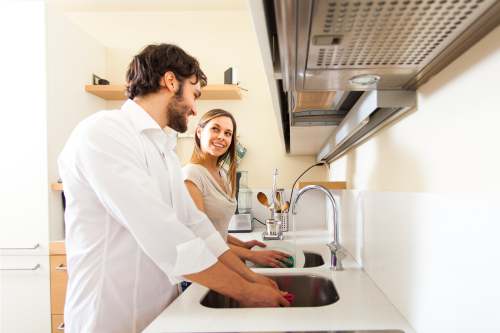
192, 257
216, 244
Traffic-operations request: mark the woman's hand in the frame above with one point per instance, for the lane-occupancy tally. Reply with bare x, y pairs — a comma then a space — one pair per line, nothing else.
269, 258
253, 243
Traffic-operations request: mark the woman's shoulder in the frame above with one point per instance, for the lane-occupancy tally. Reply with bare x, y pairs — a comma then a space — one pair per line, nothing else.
192, 169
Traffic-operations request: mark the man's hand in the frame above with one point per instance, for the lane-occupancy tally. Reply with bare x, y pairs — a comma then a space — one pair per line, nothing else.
253, 243
264, 280
257, 295
269, 258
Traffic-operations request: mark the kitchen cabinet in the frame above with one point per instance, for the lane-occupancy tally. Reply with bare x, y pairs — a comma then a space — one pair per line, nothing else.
57, 323
58, 283
24, 221
24, 286
24, 195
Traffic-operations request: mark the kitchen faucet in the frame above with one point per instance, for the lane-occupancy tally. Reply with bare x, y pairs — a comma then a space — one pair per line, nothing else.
334, 246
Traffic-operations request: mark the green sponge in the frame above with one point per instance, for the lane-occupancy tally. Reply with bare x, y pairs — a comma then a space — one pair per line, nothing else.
289, 262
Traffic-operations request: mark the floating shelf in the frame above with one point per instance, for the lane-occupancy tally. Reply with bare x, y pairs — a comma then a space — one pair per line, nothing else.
116, 92
328, 185
56, 186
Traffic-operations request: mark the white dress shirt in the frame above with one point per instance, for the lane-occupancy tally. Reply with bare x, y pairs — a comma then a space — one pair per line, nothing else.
132, 230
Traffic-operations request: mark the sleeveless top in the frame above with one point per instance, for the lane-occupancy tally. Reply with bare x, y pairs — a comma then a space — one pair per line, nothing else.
219, 206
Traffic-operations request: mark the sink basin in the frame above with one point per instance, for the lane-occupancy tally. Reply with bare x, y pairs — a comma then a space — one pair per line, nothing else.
309, 291
313, 260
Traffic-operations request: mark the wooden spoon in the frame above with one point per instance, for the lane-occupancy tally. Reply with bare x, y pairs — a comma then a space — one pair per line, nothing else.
278, 202
262, 199
285, 206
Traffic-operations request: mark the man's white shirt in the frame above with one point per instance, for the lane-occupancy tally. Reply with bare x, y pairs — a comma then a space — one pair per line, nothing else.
132, 230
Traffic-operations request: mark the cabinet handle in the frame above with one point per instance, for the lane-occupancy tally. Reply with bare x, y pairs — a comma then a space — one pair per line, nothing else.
34, 268
61, 267
60, 327
21, 248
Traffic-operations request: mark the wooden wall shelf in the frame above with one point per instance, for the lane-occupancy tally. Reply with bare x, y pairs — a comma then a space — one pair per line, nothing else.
56, 186
116, 92
328, 185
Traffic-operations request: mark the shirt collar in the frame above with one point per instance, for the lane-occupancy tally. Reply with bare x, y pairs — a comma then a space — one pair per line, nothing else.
142, 121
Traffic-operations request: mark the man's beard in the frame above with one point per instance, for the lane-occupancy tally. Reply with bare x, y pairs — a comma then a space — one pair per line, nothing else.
177, 111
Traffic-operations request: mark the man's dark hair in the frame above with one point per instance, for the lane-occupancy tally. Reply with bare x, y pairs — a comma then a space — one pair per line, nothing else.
148, 67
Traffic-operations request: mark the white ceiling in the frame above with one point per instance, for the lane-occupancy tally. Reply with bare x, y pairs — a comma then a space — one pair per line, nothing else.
148, 5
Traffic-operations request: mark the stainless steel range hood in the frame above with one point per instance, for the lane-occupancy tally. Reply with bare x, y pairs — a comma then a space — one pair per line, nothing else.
323, 56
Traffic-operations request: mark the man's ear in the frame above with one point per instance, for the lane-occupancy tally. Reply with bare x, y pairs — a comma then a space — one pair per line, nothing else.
170, 81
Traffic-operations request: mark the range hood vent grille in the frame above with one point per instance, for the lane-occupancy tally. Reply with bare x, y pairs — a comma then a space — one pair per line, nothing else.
386, 33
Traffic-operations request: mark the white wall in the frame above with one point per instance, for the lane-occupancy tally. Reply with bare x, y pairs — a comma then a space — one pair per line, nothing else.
218, 39
72, 57
423, 217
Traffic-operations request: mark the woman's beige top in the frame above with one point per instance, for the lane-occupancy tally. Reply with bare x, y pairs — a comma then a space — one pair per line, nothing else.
219, 206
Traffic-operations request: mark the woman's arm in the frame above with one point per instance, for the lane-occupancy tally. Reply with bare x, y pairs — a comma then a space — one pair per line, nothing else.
248, 245
269, 258
196, 195
229, 258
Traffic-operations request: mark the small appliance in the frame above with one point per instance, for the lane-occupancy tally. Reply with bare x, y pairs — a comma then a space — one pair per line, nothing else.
241, 221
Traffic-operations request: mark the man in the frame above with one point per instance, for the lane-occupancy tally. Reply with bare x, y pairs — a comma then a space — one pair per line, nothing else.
132, 230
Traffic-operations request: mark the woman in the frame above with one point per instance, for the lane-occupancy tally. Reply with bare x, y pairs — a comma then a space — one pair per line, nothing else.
213, 189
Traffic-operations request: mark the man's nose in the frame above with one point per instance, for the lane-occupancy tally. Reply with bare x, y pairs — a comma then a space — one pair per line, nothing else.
194, 110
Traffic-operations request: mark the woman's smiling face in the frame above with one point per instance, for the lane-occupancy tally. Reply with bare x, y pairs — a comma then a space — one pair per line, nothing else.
216, 136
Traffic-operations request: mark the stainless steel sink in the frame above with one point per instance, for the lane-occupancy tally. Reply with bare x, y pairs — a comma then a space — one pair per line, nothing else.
309, 291
310, 260
313, 260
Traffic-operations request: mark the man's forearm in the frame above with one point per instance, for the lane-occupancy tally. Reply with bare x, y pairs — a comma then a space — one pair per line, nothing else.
220, 278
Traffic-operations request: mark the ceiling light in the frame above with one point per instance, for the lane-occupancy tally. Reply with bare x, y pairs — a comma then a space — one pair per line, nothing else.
364, 80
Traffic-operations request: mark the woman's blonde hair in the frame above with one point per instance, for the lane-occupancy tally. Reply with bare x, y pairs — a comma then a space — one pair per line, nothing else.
228, 157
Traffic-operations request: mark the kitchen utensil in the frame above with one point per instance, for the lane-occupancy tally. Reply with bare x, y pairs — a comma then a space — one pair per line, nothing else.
278, 201
275, 174
279, 213
285, 207
262, 199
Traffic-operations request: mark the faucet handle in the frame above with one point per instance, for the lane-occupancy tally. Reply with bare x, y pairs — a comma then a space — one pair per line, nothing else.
337, 248
334, 247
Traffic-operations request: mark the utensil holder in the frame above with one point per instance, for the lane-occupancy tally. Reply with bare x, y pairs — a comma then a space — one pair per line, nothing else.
283, 218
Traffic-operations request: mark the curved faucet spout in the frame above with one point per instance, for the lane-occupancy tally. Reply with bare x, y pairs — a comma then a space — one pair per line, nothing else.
335, 248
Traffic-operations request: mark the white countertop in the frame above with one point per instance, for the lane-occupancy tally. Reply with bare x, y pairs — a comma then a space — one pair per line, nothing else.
361, 305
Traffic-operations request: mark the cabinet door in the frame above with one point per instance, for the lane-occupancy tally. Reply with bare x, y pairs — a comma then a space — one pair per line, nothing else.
57, 323
25, 296
23, 129
58, 283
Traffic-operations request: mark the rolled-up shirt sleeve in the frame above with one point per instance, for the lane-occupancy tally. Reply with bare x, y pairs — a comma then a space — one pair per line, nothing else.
115, 170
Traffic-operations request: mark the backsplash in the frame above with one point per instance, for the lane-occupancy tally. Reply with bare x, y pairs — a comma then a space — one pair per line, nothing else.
433, 254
